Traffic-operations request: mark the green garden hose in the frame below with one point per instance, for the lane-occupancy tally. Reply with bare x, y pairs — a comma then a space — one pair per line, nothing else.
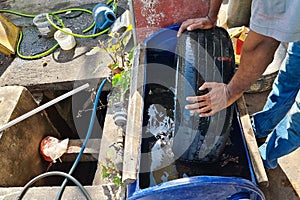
17, 13
74, 34
47, 52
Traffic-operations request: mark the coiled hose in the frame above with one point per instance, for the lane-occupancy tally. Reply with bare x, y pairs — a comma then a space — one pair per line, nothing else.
55, 173
54, 14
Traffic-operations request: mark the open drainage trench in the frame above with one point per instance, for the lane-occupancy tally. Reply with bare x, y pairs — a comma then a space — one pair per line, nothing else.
81, 106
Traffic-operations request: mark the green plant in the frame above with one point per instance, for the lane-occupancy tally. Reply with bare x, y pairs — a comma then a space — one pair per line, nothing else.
122, 79
110, 172
121, 63
121, 59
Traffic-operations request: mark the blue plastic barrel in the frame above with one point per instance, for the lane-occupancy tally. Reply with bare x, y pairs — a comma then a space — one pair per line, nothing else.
202, 187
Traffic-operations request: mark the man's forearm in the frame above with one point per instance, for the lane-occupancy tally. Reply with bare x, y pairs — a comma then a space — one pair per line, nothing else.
257, 53
214, 8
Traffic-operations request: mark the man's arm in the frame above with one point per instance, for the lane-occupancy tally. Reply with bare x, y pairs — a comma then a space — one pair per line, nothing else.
214, 8
257, 53
204, 22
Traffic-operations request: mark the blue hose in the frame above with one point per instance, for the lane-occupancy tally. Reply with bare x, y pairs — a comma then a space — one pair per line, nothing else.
59, 195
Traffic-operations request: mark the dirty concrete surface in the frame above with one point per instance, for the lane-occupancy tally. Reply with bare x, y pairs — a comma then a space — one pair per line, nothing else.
64, 67
60, 68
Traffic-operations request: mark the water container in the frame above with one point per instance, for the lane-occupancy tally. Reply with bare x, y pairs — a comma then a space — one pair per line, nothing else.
65, 41
201, 187
45, 28
231, 181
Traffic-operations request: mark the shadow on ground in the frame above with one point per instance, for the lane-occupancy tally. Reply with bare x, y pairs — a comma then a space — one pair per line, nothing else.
279, 186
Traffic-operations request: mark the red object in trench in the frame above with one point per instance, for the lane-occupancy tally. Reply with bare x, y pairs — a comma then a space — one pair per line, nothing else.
52, 148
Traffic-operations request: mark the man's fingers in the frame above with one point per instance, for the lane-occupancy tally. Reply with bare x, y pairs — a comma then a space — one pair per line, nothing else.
210, 103
204, 97
207, 114
183, 27
192, 106
192, 99
207, 85
192, 24
205, 109
202, 104
198, 107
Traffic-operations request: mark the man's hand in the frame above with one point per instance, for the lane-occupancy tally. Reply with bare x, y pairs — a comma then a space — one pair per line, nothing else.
208, 104
192, 24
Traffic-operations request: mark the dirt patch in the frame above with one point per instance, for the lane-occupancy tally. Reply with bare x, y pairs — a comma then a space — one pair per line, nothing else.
4, 62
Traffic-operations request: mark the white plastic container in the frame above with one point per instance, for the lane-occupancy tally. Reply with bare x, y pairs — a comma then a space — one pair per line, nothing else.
65, 41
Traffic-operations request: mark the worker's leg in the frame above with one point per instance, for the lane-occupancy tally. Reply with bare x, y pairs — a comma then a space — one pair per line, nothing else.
284, 139
283, 94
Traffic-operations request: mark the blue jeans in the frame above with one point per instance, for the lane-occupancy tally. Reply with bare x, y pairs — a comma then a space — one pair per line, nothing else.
280, 117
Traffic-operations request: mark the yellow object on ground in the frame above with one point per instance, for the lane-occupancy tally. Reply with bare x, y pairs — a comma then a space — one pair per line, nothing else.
9, 34
238, 36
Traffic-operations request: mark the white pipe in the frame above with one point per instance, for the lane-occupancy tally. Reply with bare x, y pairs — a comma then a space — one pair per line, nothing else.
42, 107
134, 31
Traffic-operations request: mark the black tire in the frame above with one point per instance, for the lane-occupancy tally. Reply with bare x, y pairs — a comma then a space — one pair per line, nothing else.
203, 55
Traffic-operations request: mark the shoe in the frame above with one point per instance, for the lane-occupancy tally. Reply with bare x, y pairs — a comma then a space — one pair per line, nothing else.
260, 141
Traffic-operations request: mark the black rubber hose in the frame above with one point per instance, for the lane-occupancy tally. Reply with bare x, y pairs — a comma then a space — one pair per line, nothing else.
54, 173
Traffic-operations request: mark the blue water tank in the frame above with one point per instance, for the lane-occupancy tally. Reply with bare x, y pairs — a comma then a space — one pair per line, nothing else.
199, 187
210, 187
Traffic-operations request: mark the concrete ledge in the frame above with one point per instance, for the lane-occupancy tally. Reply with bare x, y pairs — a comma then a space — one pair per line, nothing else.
90, 152
99, 192
111, 149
